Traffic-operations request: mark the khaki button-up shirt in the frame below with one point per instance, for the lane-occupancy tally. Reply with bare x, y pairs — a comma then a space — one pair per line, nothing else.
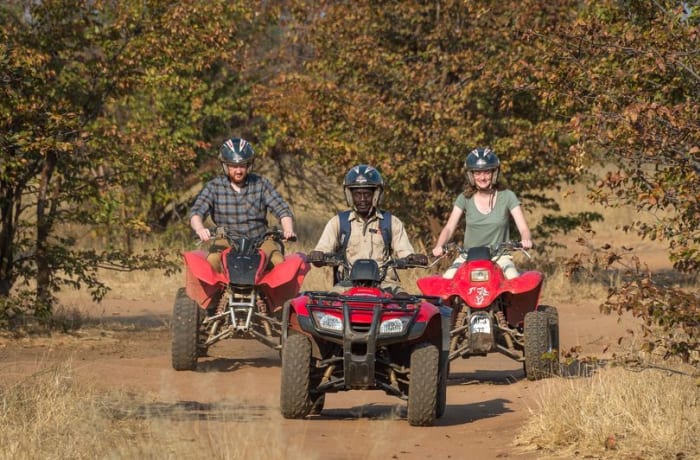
366, 240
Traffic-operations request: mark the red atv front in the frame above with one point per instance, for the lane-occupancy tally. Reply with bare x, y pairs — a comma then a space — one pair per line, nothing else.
363, 339
495, 314
243, 301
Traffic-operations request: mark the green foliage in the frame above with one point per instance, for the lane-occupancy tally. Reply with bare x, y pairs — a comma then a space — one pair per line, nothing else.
552, 224
631, 73
104, 108
670, 316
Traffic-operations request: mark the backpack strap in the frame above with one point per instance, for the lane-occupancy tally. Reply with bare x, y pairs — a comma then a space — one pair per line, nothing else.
344, 234
343, 238
385, 228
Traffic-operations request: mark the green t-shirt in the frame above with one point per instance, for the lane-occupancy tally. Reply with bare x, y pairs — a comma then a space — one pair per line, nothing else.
487, 229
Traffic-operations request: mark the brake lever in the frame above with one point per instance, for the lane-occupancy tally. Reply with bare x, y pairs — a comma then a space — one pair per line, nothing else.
435, 262
524, 251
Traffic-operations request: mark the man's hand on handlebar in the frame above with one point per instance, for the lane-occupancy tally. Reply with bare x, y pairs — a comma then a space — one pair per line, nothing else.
204, 234
316, 258
420, 260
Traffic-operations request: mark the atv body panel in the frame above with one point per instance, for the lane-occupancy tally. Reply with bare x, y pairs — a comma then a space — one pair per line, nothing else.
489, 310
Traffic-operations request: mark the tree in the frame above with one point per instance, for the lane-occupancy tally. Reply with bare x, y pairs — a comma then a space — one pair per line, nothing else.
630, 72
554, 87
105, 106
412, 87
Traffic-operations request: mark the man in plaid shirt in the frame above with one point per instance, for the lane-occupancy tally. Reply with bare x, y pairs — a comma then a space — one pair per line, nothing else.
239, 201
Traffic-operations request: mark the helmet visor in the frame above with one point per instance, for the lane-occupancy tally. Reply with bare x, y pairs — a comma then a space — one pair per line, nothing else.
240, 164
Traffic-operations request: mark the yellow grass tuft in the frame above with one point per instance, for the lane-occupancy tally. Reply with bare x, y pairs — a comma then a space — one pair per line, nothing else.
650, 414
49, 415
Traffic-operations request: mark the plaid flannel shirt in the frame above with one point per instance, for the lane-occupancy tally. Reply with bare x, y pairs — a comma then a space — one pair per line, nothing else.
243, 213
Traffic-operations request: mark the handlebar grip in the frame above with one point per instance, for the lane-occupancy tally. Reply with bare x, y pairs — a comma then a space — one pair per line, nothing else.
449, 247
519, 245
400, 263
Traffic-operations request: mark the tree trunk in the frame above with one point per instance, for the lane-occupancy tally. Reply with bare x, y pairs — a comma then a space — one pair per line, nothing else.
11, 200
45, 212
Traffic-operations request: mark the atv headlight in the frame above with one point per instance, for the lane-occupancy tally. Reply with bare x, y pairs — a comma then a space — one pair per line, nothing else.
394, 325
328, 322
479, 275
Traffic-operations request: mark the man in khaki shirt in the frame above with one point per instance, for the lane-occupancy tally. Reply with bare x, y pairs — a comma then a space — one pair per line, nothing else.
364, 188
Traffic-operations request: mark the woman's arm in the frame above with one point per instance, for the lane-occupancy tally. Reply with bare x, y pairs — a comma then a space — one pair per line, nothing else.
525, 235
447, 231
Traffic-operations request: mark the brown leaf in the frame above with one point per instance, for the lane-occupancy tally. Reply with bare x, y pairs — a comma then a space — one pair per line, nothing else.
611, 442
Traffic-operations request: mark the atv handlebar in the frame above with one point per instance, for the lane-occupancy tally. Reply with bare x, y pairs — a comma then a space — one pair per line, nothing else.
338, 260
505, 247
329, 260
273, 233
510, 246
245, 245
405, 262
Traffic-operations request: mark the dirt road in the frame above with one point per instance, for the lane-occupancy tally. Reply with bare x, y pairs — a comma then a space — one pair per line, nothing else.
236, 389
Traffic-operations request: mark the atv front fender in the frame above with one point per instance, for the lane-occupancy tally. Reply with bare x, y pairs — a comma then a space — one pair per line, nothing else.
197, 264
437, 286
294, 267
201, 281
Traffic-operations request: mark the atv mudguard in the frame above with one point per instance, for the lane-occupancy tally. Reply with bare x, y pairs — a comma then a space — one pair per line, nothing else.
201, 280
284, 281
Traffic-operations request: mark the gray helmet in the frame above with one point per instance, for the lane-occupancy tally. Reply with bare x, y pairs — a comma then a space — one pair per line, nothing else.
236, 151
482, 159
364, 176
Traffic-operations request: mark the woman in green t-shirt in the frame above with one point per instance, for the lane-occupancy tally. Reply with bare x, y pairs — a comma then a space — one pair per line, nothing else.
487, 206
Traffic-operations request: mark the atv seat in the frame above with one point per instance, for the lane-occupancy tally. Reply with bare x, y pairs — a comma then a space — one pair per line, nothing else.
479, 253
365, 271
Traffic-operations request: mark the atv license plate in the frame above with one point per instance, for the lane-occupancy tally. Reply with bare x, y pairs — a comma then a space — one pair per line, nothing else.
481, 324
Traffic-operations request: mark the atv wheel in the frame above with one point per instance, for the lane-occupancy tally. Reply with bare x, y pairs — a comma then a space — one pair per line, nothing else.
423, 385
541, 343
295, 401
553, 325
185, 332
442, 390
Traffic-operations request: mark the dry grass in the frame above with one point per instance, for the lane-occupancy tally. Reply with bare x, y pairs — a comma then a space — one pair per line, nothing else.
49, 415
617, 413
650, 414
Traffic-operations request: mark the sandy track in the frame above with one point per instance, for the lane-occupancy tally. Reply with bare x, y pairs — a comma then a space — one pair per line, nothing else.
237, 388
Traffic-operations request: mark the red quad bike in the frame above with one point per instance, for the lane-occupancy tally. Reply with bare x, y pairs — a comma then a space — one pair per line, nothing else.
491, 313
243, 301
365, 338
